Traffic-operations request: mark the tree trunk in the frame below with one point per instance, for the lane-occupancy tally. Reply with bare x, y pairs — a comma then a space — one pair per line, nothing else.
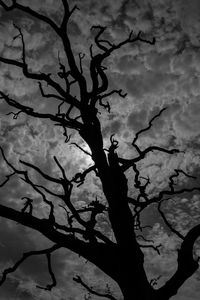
129, 271
137, 291
132, 279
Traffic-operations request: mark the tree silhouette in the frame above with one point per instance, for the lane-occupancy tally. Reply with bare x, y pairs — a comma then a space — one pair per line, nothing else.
122, 259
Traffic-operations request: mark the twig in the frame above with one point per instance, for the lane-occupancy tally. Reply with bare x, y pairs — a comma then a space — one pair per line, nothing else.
83, 150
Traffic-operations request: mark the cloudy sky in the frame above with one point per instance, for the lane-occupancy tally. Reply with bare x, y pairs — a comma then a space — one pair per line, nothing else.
166, 74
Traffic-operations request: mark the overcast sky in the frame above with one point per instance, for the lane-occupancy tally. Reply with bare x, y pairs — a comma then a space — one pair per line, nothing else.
166, 74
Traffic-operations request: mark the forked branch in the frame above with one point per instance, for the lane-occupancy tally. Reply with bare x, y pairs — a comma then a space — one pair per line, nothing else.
127, 163
97, 70
32, 253
31, 112
171, 191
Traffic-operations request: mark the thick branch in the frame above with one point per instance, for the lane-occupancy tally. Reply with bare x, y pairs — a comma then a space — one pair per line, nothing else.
67, 187
29, 11
187, 265
97, 253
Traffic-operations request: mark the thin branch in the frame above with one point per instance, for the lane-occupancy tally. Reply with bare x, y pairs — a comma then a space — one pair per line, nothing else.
91, 290
81, 57
80, 177
144, 239
127, 163
156, 248
59, 107
24, 257
154, 281
36, 187
100, 32
30, 111
23, 43
106, 105
15, 115
7, 176
65, 134
118, 92
67, 115
27, 205
136, 203
44, 175
49, 95
83, 150
45, 200
97, 208
167, 222
177, 172
105, 95
49, 287
69, 230
146, 129
39, 76
27, 179
63, 74
62, 171
171, 184
138, 185
67, 14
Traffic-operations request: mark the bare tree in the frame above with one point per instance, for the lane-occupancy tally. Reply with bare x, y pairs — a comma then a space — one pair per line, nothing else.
123, 258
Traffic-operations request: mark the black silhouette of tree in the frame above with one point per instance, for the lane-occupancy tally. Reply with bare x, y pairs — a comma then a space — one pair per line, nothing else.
122, 259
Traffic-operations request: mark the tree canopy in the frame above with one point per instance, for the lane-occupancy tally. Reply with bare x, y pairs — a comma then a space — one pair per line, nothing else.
97, 210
